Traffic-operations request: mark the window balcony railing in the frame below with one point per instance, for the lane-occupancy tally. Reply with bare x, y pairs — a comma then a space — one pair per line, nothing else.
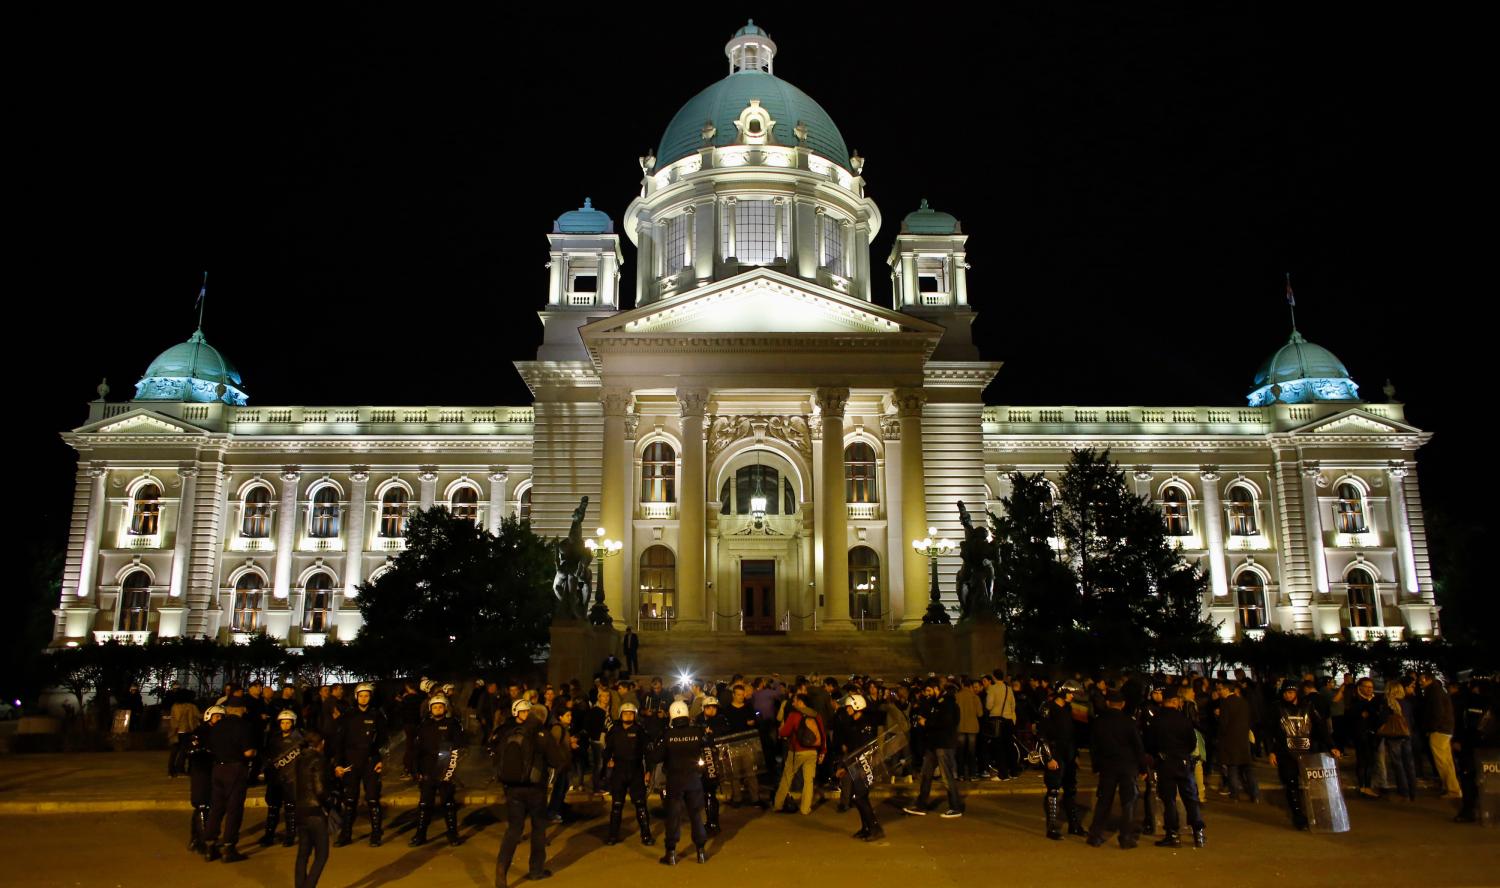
864, 511
140, 541
658, 511
1375, 633
1253, 634
391, 544
250, 544
123, 637
321, 544
1367, 540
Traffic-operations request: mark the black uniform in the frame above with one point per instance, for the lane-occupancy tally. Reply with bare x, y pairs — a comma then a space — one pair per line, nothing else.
681, 751
307, 788
439, 741
1145, 715
1117, 754
280, 753
1171, 740
526, 798
200, 770
855, 732
625, 746
1297, 730
361, 739
228, 742
1056, 728
715, 727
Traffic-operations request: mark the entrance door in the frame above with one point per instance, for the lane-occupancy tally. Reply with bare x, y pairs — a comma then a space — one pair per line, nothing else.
758, 596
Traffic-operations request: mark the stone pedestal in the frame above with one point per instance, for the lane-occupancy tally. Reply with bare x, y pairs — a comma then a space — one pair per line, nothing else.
979, 646
577, 650
936, 647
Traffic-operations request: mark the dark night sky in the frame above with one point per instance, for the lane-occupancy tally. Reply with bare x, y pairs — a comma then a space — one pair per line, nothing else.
370, 190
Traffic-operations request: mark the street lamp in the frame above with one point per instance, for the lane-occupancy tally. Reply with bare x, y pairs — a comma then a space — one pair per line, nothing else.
602, 549
933, 546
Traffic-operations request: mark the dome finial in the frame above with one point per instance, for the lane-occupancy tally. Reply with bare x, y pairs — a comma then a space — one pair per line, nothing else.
588, 203
103, 389
750, 49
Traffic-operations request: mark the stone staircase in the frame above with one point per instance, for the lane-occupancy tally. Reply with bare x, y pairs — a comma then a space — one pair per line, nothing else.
838, 653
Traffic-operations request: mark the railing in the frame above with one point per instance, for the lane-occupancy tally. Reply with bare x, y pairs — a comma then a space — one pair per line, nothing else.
1375, 633
866, 623
658, 511
344, 420
143, 541
863, 511
100, 637
656, 624
250, 544
392, 544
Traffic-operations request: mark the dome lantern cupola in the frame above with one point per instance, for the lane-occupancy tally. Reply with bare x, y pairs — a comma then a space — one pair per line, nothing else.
750, 49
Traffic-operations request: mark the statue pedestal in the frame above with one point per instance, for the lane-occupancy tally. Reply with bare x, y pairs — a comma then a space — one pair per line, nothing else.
935, 647
979, 646
578, 649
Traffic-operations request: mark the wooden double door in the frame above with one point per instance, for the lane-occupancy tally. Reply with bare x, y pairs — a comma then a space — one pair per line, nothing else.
758, 596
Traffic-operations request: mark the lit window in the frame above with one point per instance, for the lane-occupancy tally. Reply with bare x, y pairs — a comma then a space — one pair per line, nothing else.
393, 513
659, 473
755, 482
833, 245
325, 514
523, 511
674, 245
145, 513
318, 603
465, 503
135, 602
658, 584
859, 473
1361, 597
864, 583
754, 232
1174, 506
1351, 509
1241, 511
1250, 592
248, 593
256, 521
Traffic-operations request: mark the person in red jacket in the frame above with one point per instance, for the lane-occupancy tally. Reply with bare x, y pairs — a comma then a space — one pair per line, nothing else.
808, 738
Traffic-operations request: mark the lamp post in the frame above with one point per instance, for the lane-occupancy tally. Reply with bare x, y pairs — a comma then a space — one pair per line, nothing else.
602, 549
933, 546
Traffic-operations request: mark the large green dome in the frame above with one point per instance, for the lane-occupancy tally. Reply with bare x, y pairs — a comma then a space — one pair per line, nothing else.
1301, 372
191, 371
722, 103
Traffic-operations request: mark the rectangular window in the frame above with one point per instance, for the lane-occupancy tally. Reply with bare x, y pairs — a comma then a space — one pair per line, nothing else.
673, 245
833, 246
755, 232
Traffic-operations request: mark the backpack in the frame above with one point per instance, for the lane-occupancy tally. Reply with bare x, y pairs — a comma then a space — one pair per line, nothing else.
809, 733
518, 760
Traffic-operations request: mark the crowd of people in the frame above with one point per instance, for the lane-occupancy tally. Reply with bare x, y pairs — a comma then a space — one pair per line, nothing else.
1150, 739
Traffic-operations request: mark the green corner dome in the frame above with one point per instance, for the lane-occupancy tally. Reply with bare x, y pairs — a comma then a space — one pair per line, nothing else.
584, 220
191, 371
722, 103
751, 28
1300, 372
926, 220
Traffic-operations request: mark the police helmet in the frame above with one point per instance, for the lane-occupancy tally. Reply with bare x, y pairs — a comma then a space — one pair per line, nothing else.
365, 687
678, 710
519, 707
855, 702
710, 701
435, 699
287, 715
629, 707
212, 711
449, 688
426, 685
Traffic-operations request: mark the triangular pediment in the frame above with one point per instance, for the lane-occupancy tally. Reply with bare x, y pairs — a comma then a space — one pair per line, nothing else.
1357, 422
141, 421
760, 301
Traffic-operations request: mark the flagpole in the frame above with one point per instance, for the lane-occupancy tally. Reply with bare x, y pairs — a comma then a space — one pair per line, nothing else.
1291, 301
197, 339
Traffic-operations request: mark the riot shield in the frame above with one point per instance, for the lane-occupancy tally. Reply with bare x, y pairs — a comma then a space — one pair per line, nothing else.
1487, 781
1322, 797
871, 763
741, 757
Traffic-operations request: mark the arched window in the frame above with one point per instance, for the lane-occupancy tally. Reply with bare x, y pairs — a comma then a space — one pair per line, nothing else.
248, 594
659, 473
465, 503
1241, 511
1250, 592
325, 514
859, 473
1361, 598
135, 602
393, 513
255, 521
318, 603
1174, 507
658, 584
1351, 509
864, 584
145, 512
523, 511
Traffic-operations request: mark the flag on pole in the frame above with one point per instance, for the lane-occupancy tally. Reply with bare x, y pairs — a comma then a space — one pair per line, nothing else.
202, 295
1290, 299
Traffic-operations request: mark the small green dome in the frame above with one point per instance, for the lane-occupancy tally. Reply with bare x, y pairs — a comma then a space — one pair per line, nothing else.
926, 220
584, 220
1300, 372
191, 371
722, 103
751, 28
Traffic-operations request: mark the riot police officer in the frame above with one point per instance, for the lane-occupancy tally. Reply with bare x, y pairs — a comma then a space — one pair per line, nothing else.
856, 731
524, 750
1145, 715
1297, 729
282, 748
682, 751
715, 724
357, 761
1171, 741
232, 746
1061, 753
200, 769
439, 742
625, 746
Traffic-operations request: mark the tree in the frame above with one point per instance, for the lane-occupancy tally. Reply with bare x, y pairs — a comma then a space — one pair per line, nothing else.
459, 598
1035, 592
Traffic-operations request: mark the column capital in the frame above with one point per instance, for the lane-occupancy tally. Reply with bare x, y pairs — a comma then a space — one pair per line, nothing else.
359, 473
909, 401
97, 469
1209, 473
890, 428
1143, 473
692, 402
499, 477
616, 401
291, 473
188, 470
1311, 468
1397, 469
429, 473
632, 424
831, 401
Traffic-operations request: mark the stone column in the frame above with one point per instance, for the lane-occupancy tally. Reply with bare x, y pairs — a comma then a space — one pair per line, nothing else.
497, 501
88, 569
614, 511
732, 226
428, 490
911, 294
804, 236
690, 504
913, 505
609, 279
835, 527
1213, 532
286, 531
555, 282
628, 557
893, 574
960, 279
1312, 516
861, 245
1406, 560
182, 550
354, 534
